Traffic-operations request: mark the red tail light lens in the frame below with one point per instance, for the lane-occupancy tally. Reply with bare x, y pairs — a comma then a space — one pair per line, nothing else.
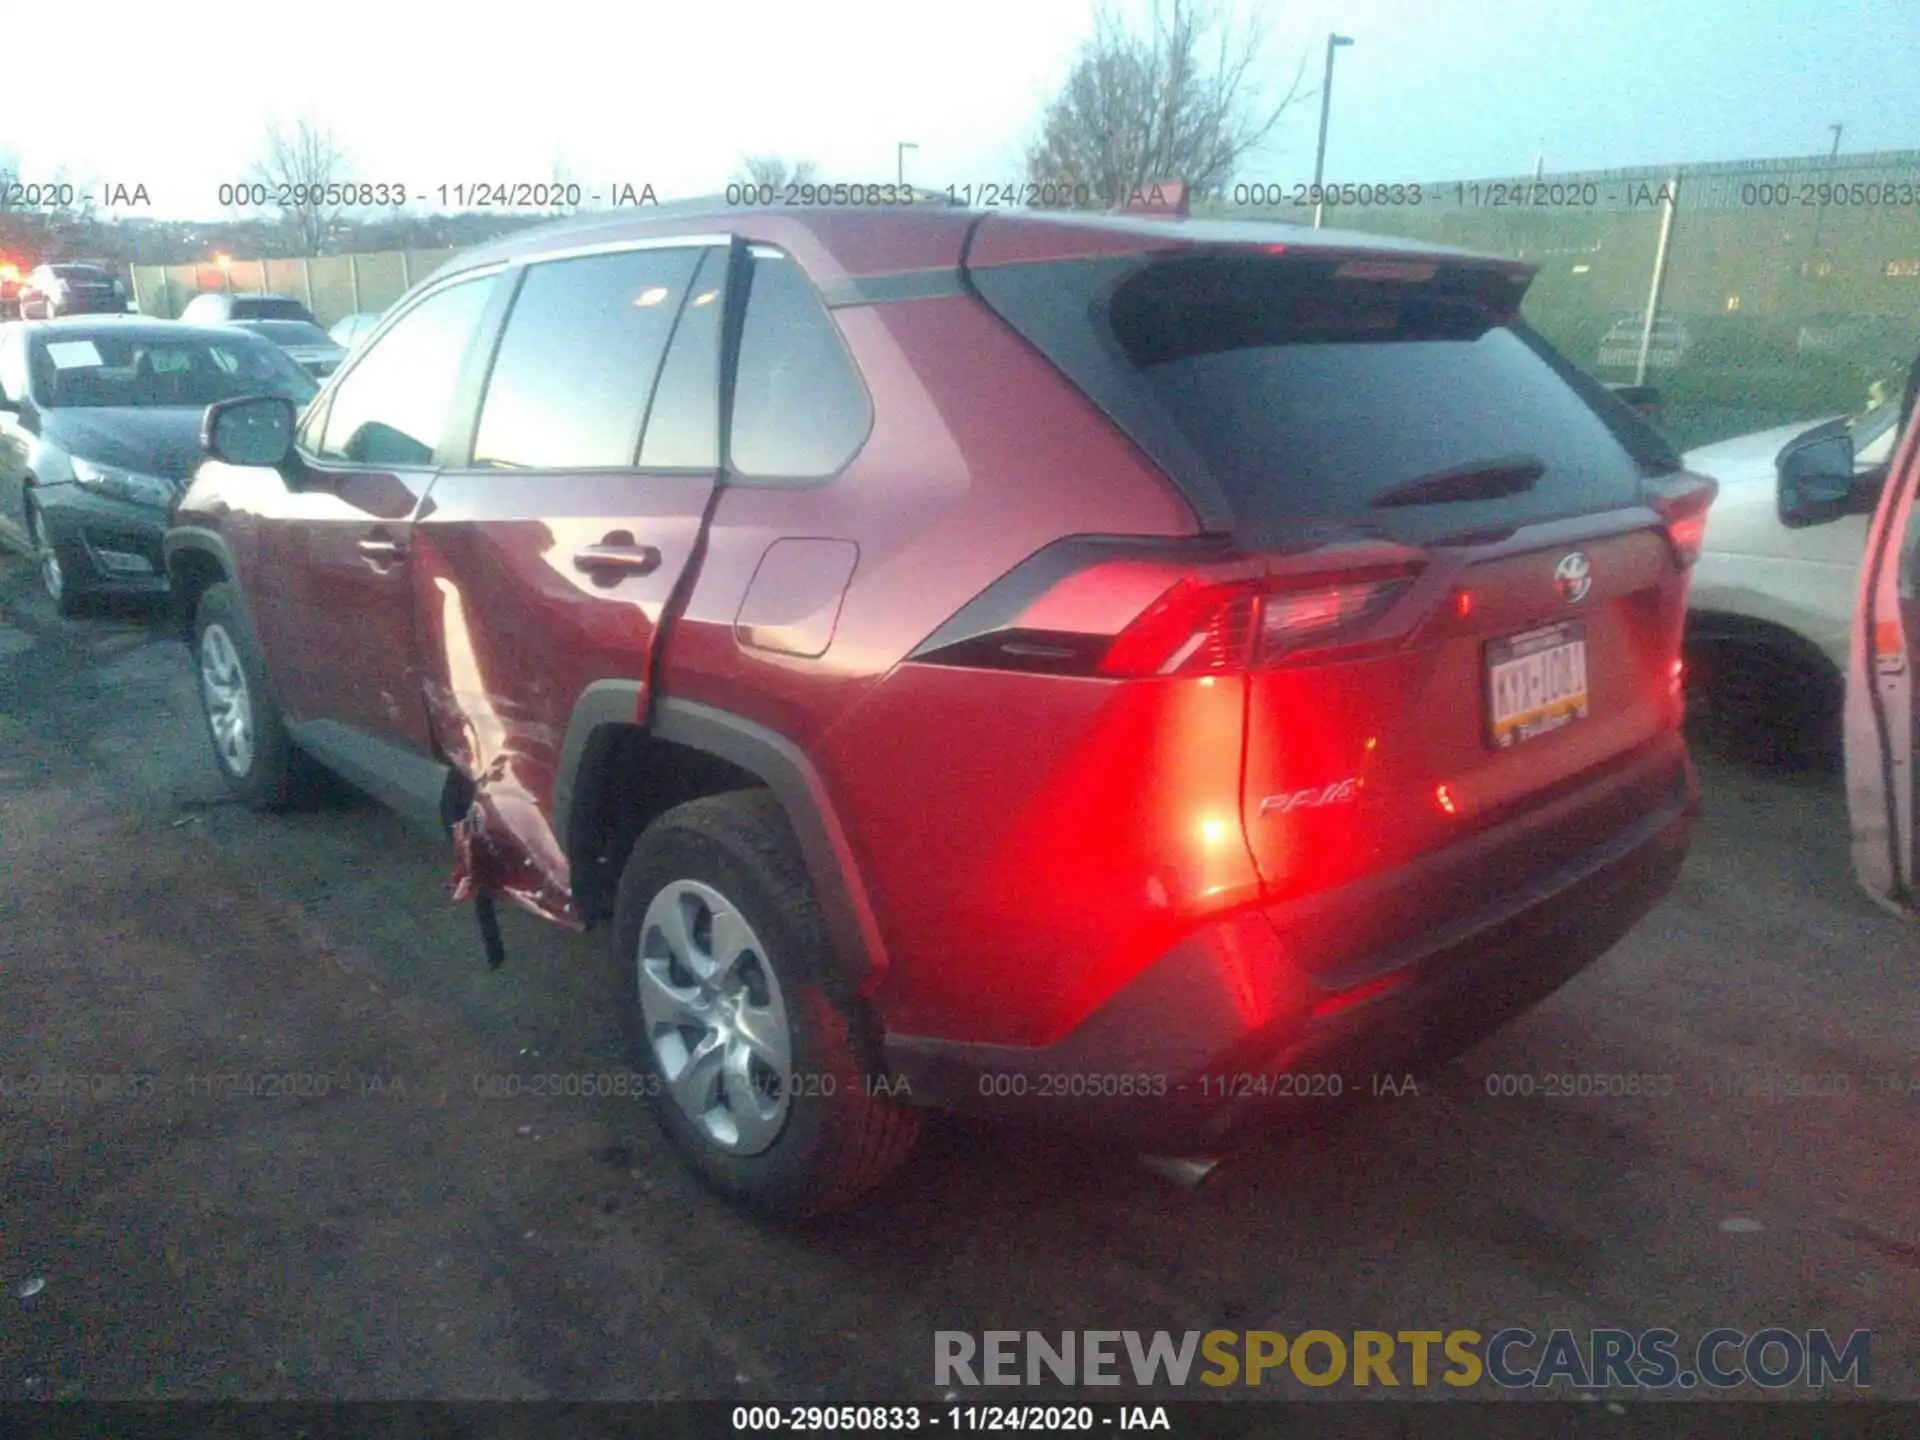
1198, 628
1684, 510
1301, 620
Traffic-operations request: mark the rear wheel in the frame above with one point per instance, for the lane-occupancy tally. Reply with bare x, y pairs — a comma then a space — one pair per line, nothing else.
756, 1061
257, 759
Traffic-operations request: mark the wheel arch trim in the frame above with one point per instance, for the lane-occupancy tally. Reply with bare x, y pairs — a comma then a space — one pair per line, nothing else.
770, 757
1733, 627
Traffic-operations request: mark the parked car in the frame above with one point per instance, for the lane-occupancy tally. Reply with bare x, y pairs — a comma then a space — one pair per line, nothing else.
99, 428
354, 328
1024, 705
50, 291
10, 282
308, 345
1620, 346
219, 309
1773, 602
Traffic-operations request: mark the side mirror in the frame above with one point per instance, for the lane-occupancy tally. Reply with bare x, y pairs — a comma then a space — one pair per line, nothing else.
251, 430
7, 403
1815, 480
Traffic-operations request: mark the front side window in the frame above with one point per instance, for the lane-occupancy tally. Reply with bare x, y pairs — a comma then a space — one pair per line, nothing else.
800, 409
391, 407
577, 363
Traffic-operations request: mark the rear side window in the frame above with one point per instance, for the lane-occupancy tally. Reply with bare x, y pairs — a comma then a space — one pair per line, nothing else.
1296, 392
800, 409
683, 425
577, 364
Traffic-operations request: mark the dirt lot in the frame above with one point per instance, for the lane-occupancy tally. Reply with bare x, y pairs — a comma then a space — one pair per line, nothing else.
401, 1235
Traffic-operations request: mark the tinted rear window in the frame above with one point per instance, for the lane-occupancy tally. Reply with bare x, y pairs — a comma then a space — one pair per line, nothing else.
1290, 392
268, 310
289, 332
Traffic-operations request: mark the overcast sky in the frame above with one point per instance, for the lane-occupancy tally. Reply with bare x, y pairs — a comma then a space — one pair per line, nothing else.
672, 95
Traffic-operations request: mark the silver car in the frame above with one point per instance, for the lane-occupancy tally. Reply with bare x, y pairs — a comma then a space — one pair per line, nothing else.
354, 328
308, 344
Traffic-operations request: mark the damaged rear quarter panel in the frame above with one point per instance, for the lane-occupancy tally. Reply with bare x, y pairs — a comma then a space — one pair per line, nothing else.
511, 633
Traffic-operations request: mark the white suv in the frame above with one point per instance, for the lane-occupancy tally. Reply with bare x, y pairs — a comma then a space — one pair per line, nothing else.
1772, 603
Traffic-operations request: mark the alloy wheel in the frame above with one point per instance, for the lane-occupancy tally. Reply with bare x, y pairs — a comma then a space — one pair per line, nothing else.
223, 686
52, 576
715, 1017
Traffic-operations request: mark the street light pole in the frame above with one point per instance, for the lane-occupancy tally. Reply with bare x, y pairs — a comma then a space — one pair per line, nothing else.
1334, 42
900, 161
1820, 210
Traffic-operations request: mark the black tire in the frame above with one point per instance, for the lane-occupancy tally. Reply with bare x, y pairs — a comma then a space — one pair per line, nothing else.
55, 567
278, 775
839, 1137
1764, 706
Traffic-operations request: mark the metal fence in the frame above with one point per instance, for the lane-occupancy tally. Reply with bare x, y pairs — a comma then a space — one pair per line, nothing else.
1783, 289
1749, 294
332, 286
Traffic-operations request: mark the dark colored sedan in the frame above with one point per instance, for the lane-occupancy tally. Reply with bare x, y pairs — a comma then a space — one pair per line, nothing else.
51, 291
100, 429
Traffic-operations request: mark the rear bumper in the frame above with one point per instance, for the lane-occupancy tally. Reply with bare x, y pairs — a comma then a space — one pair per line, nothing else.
1235, 1024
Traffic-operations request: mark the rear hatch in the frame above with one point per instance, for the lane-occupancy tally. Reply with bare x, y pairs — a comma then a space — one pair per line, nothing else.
1470, 557
85, 283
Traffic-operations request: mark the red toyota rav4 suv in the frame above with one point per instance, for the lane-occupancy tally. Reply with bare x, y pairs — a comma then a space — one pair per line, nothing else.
1062, 665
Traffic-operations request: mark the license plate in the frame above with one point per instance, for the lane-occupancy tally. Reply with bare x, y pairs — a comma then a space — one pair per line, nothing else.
1536, 682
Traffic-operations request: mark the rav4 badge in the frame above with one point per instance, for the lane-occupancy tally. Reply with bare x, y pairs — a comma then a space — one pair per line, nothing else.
1339, 793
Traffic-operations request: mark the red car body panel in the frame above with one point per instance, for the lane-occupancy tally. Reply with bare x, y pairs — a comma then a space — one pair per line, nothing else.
510, 632
1033, 845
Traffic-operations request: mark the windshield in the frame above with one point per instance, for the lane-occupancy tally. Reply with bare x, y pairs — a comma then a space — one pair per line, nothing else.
102, 369
81, 272
287, 332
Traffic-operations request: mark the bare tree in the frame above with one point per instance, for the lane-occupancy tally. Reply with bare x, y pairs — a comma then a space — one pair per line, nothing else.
560, 184
1187, 98
776, 171
306, 160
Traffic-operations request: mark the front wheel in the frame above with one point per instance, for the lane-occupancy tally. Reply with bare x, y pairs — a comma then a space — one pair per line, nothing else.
760, 1068
256, 758
51, 565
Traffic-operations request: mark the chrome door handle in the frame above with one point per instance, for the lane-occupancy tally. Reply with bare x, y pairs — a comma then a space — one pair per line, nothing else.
383, 551
610, 561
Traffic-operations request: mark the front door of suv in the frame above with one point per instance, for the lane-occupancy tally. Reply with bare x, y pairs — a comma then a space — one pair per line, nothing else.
330, 596
545, 560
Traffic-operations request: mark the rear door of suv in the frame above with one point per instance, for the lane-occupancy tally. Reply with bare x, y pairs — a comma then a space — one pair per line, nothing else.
548, 555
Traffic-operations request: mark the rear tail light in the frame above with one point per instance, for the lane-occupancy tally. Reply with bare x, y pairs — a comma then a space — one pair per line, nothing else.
1198, 628
1683, 509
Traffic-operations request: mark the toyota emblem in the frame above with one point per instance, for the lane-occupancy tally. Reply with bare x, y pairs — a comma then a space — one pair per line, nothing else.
1573, 576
